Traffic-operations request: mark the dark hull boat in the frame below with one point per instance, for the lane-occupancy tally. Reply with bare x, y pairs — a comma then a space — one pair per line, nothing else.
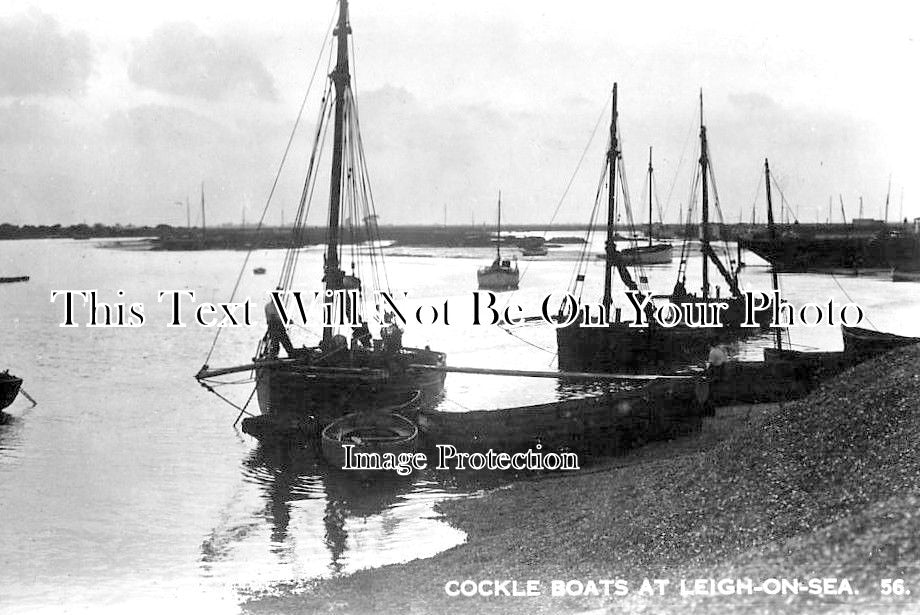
350, 369
368, 432
9, 389
651, 349
866, 342
11, 280
870, 246
623, 346
607, 423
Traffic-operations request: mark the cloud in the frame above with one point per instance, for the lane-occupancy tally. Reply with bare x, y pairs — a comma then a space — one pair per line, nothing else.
178, 58
37, 57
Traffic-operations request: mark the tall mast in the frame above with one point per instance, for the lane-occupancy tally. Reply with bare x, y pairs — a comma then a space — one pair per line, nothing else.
704, 232
340, 79
650, 196
610, 246
772, 230
498, 244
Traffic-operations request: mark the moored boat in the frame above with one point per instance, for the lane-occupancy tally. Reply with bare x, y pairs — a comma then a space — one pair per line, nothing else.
358, 363
9, 388
611, 422
376, 433
653, 345
10, 280
862, 342
500, 275
653, 253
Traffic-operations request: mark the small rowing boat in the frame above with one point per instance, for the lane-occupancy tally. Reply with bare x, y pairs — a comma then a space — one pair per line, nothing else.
368, 432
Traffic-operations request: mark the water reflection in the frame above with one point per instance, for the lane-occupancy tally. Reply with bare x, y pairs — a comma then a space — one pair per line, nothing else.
324, 521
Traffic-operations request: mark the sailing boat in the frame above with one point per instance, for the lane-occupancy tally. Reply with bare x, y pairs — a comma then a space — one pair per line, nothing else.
653, 253
315, 385
500, 275
653, 345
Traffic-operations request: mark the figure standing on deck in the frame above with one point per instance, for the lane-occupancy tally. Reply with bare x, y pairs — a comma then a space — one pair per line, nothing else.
277, 333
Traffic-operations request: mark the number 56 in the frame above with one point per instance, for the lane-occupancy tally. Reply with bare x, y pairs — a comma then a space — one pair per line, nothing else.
893, 587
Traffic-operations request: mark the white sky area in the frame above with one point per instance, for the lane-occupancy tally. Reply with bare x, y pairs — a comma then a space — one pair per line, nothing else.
112, 112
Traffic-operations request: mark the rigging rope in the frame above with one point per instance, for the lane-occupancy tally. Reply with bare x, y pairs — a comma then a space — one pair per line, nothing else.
271, 193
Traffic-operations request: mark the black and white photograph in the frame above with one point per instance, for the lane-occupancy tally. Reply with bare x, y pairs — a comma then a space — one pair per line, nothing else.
483, 307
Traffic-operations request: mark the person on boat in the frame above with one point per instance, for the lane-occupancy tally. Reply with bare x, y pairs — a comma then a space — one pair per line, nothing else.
276, 335
362, 335
715, 366
680, 292
391, 335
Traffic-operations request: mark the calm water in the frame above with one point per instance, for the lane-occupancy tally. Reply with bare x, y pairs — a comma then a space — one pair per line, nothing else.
127, 487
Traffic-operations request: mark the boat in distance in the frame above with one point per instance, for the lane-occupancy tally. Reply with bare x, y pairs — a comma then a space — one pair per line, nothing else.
14, 279
654, 254
500, 275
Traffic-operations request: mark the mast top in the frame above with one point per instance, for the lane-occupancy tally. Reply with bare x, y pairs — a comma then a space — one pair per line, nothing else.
701, 108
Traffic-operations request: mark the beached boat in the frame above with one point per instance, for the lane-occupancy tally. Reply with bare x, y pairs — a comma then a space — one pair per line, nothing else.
655, 346
500, 275
317, 384
259, 271
10, 280
610, 423
860, 342
368, 432
9, 388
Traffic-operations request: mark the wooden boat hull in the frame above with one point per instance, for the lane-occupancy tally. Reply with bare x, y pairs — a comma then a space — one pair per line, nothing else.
610, 423
498, 279
368, 432
783, 375
656, 254
9, 389
648, 349
865, 342
855, 249
289, 394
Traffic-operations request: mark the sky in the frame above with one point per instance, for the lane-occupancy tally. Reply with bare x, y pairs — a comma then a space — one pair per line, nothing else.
118, 112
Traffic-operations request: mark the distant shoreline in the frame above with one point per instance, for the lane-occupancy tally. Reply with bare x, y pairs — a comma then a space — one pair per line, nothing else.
180, 238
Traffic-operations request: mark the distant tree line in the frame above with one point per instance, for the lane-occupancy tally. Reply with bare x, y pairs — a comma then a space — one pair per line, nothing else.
80, 231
